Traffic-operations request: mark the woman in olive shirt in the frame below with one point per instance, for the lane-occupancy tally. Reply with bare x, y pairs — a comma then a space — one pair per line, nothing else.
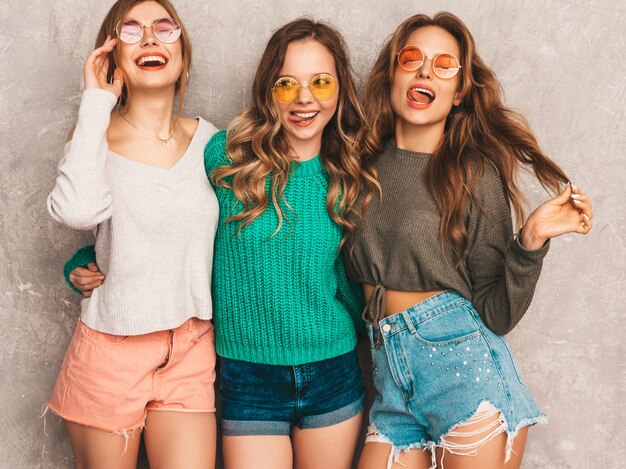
443, 274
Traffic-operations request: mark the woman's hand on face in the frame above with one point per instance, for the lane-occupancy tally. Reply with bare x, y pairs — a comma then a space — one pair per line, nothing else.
86, 279
96, 67
568, 212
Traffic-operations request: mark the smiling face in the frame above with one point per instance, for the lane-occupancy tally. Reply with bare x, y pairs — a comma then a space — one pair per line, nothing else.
303, 121
149, 63
421, 101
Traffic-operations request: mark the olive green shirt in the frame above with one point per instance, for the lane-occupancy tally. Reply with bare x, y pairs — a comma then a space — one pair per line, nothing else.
397, 245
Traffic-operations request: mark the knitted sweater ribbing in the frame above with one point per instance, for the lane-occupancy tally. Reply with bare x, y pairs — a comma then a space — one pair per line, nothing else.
397, 245
282, 299
154, 227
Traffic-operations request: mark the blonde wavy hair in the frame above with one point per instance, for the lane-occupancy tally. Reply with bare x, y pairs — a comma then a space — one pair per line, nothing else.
480, 130
258, 147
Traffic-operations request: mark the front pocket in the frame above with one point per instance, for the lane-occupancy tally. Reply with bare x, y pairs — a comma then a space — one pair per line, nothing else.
203, 328
100, 338
451, 326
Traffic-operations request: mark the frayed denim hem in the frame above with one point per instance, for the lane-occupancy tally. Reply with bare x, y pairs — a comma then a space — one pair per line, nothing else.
374, 436
485, 411
126, 432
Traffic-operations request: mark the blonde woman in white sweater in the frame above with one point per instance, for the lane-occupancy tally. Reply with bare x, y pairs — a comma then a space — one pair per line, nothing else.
143, 351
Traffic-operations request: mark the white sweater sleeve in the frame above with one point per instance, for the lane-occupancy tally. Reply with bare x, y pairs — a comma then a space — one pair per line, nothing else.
81, 197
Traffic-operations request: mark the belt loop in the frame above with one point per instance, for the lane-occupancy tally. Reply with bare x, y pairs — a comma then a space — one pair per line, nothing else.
379, 339
409, 322
376, 332
370, 332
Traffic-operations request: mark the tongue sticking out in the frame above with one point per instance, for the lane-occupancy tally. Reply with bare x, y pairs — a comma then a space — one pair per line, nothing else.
419, 97
302, 117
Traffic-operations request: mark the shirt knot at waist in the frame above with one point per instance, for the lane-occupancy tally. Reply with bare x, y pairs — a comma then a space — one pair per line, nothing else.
374, 310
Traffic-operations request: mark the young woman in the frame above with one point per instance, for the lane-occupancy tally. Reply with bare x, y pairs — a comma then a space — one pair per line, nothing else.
143, 351
443, 275
287, 176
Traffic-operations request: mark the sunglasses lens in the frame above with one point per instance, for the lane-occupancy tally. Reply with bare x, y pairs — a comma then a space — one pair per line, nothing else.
166, 30
411, 58
286, 90
323, 86
130, 31
446, 66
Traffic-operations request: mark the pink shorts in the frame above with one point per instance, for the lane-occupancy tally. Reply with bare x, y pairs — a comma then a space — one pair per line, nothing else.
110, 382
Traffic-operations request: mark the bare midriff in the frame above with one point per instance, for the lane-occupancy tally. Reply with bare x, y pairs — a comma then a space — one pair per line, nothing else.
399, 300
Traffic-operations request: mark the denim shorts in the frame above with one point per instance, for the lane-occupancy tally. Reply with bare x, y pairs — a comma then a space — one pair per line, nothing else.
260, 399
110, 382
437, 364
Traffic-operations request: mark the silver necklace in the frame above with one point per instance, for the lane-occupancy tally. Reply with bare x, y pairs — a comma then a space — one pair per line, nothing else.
164, 141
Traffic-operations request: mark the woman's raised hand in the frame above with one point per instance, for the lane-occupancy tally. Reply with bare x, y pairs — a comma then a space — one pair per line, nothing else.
95, 70
568, 212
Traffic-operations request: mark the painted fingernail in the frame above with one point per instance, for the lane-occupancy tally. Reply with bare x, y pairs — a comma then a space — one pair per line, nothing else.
575, 196
577, 202
574, 187
585, 215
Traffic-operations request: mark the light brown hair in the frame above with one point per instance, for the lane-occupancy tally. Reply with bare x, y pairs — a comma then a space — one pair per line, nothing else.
480, 130
259, 149
115, 14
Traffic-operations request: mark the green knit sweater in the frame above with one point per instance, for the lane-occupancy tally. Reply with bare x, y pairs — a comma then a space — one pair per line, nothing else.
282, 299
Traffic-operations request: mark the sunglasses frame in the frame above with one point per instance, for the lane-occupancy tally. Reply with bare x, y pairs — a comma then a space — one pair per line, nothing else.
144, 26
432, 60
307, 86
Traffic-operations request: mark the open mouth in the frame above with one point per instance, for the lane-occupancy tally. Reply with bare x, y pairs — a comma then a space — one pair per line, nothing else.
303, 117
151, 61
421, 95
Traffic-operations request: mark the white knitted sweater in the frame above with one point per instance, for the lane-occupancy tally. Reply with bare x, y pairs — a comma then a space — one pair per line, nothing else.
154, 228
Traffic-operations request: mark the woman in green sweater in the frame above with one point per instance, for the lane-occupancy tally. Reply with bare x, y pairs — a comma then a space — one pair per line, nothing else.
287, 176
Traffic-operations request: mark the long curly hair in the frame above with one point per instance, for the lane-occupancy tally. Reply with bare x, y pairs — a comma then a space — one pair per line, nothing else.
107, 28
480, 130
258, 148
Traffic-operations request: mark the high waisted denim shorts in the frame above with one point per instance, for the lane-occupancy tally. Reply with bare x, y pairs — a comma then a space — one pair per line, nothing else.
437, 364
260, 399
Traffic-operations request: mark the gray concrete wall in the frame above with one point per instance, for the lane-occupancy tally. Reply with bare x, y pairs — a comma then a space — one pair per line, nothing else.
561, 63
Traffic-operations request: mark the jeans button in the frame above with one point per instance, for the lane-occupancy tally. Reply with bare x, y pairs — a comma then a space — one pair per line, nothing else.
387, 327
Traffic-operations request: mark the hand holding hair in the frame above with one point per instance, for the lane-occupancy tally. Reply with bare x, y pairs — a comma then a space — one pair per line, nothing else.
568, 212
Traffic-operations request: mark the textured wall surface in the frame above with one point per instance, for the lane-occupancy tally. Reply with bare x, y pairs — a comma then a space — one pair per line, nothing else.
561, 63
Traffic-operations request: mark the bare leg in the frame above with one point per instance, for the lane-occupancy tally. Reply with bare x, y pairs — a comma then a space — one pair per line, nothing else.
97, 449
489, 455
266, 451
480, 442
327, 447
377, 456
184, 440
